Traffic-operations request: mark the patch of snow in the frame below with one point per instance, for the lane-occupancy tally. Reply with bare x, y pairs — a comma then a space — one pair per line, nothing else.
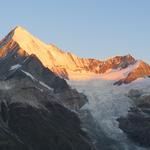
25, 59
40, 82
15, 67
29, 75
45, 85
117, 74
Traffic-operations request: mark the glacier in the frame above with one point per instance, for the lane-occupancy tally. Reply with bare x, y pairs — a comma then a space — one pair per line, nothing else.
108, 102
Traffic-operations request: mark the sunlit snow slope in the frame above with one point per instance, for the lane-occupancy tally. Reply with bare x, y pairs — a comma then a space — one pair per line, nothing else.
67, 65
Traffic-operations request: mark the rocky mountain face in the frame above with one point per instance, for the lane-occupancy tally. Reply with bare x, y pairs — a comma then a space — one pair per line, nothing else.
36, 108
142, 70
30, 119
31, 67
123, 69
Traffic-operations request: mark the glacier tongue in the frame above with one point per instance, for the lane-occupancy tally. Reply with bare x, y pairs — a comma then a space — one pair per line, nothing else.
107, 103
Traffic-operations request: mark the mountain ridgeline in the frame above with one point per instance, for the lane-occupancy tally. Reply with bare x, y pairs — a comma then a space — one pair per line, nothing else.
122, 69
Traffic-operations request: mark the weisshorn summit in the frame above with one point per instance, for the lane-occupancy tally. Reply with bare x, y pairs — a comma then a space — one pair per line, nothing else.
37, 108
40, 108
121, 69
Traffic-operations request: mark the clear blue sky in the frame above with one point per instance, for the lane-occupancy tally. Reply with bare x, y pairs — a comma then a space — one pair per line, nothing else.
88, 28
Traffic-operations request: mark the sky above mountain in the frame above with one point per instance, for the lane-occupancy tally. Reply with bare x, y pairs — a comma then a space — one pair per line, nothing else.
88, 28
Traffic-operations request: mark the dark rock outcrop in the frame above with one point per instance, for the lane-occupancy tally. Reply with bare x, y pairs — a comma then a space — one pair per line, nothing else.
135, 93
137, 123
136, 126
30, 119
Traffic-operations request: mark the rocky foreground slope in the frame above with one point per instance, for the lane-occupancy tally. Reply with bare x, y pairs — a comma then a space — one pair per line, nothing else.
36, 108
123, 69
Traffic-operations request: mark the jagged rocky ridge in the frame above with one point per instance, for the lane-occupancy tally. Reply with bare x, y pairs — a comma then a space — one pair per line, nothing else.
123, 69
36, 108
142, 70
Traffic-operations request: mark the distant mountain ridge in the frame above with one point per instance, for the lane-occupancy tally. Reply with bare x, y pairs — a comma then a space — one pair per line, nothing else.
123, 69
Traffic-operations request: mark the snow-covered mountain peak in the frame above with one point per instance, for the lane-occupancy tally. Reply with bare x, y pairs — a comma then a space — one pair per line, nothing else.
27, 40
19, 28
21, 43
26, 44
